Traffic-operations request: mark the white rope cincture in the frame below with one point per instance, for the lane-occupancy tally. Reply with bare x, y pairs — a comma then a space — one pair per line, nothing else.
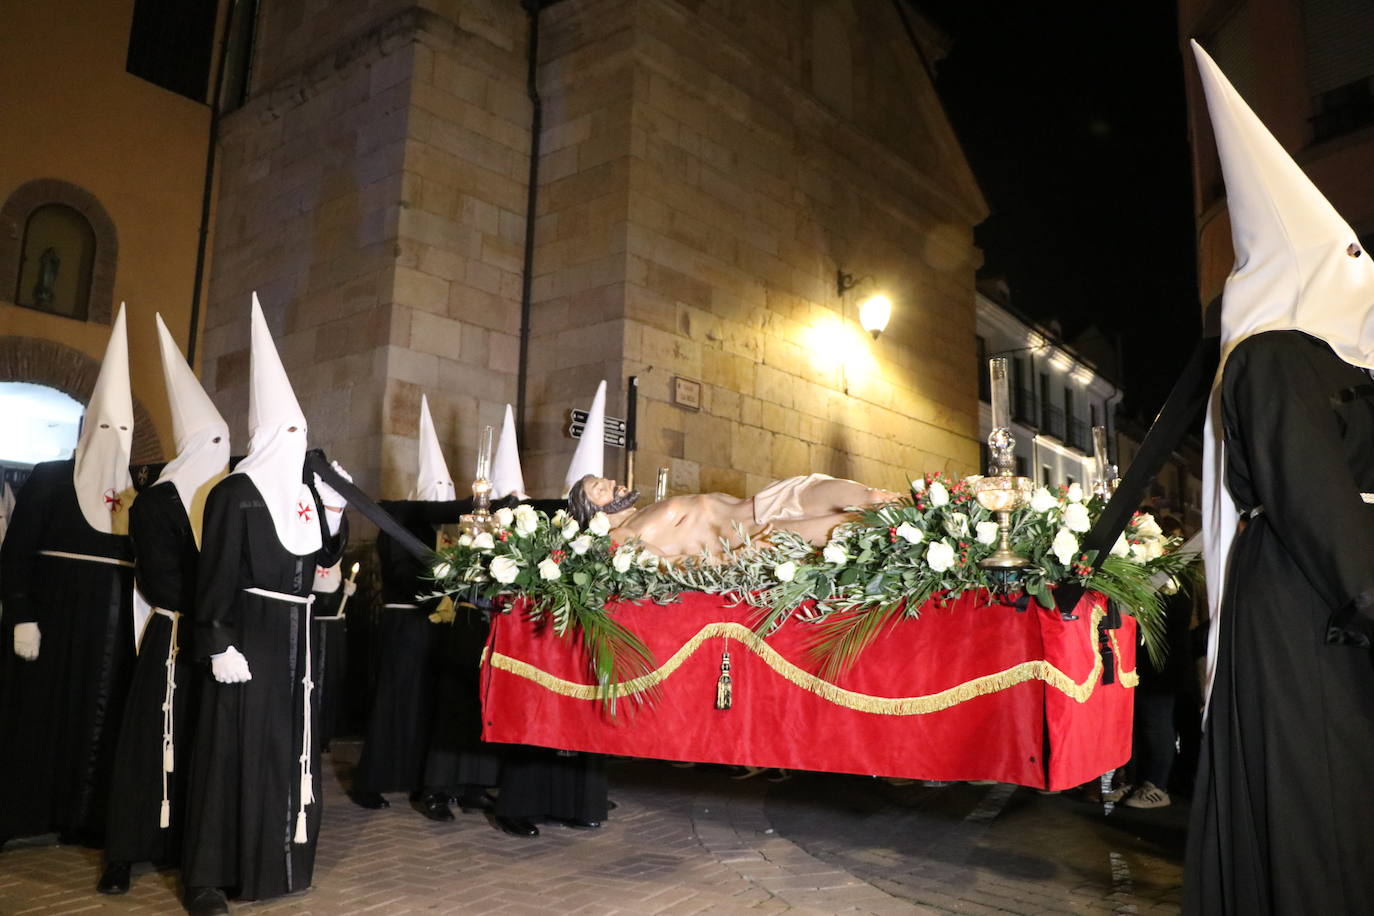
89, 558
307, 785
307, 776
168, 701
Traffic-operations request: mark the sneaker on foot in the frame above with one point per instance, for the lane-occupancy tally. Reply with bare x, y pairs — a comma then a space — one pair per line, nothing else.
1148, 795
1117, 794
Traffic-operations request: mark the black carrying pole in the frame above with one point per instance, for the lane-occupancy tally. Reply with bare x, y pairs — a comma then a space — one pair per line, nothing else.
1185, 402
316, 462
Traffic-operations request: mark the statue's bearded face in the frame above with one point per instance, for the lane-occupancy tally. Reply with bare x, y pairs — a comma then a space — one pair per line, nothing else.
609, 496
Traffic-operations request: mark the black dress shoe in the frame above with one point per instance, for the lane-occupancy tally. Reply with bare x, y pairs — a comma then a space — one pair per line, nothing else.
370, 800
206, 901
578, 824
516, 826
115, 879
435, 807
472, 802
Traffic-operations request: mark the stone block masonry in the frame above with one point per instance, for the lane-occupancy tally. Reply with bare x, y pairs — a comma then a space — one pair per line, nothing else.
705, 168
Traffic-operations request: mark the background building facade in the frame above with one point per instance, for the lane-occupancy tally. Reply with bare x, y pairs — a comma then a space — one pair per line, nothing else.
704, 169
102, 186
1057, 396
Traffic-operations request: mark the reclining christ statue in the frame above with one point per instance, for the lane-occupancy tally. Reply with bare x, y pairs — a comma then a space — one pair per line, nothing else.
680, 526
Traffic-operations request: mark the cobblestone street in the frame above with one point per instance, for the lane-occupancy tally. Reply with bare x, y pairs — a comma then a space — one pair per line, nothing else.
695, 841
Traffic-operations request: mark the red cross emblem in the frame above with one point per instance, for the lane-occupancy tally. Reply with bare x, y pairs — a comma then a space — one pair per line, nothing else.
112, 500
303, 511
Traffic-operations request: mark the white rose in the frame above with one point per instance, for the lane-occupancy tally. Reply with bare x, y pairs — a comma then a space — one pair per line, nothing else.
1140, 552
559, 518
526, 521
1076, 517
1154, 548
580, 545
442, 571
504, 570
504, 516
1120, 548
464, 540
939, 496
1042, 500
910, 533
484, 541
918, 485
1064, 546
548, 570
1075, 494
956, 525
834, 553
939, 556
785, 572
1146, 526
987, 532
600, 525
647, 560
570, 529
622, 560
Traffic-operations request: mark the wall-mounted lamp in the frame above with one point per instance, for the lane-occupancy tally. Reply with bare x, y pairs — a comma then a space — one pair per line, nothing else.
874, 311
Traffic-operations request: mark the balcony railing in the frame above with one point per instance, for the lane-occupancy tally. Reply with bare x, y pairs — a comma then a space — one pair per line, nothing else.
1024, 406
1080, 435
1052, 421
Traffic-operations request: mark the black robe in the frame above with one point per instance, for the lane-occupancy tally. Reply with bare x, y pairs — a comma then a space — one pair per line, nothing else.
60, 714
165, 558
405, 700
331, 644
1280, 816
245, 771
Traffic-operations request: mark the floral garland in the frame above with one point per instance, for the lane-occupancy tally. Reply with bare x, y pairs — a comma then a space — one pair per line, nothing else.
885, 565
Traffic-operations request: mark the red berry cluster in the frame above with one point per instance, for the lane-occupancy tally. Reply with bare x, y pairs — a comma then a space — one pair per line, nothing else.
892, 535
503, 535
557, 556
1080, 566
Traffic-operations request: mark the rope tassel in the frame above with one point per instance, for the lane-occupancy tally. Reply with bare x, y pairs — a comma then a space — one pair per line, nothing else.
300, 828
164, 818
724, 687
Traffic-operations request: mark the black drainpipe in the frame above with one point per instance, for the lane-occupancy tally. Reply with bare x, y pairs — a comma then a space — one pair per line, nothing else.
207, 192
532, 7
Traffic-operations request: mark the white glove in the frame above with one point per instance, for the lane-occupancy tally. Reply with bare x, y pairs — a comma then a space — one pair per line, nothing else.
26, 638
230, 667
349, 587
333, 500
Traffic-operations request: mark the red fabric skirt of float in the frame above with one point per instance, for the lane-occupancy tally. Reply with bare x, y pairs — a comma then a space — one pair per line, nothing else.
965, 691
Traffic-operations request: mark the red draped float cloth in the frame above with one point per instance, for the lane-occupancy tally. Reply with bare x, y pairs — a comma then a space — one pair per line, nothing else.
965, 691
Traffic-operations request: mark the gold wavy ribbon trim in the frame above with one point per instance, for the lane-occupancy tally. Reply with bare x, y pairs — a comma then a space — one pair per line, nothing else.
1037, 669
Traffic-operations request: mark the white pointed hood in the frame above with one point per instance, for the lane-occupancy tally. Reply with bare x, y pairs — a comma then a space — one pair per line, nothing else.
1299, 266
506, 477
277, 444
202, 436
590, 456
1293, 268
103, 486
433, 482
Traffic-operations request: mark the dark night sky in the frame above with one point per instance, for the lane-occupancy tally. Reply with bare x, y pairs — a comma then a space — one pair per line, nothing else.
1073, 119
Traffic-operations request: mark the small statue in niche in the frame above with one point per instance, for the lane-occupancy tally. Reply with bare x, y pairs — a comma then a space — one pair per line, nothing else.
45, 290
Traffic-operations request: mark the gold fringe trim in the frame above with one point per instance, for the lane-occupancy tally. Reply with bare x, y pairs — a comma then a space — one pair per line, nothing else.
1038, 669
